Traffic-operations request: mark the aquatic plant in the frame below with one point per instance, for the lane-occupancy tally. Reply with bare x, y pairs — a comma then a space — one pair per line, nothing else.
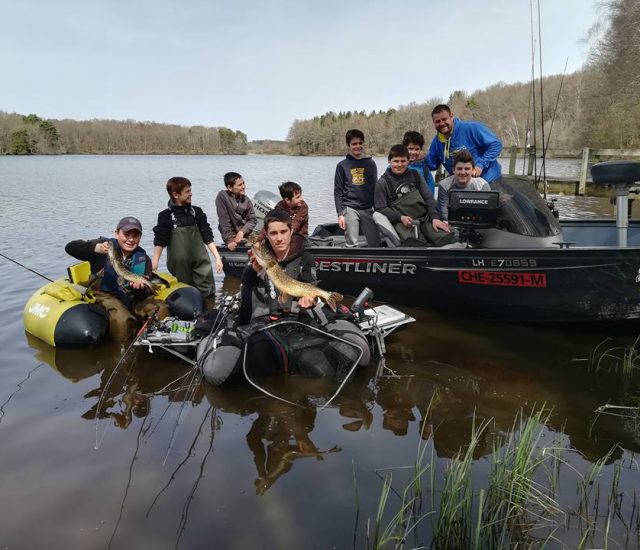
516, 505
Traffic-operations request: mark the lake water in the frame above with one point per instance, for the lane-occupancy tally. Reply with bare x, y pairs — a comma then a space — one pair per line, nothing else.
239, 470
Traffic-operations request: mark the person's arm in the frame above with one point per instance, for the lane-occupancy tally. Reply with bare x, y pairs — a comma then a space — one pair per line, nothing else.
434, 157
488, 143
249, 280
338, 194
301, 218
250, 219
214, 250
307, 275
157, 254
381, 201
224, 218
443, 202
203, 225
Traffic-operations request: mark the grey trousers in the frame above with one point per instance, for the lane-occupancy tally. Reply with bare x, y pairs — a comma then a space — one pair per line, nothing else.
356, 220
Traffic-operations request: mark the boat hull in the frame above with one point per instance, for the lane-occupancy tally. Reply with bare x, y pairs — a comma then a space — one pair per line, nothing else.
550, 285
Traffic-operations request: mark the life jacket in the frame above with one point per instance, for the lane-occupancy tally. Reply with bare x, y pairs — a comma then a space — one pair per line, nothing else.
136, 262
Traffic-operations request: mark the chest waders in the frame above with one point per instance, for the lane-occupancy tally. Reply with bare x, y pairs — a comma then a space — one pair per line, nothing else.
188, 259
412, 204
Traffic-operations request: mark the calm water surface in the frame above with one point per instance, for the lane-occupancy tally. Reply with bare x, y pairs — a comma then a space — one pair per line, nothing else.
241, 470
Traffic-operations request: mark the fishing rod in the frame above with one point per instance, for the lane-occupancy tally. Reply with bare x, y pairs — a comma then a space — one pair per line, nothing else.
112, 375
533, 93
553, 118
25, 267
543, 168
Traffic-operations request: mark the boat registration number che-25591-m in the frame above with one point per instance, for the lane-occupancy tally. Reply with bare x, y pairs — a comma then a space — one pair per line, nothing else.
503, 278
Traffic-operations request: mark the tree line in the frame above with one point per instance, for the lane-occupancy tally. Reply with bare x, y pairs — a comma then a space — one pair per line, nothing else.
597, 106
30, 134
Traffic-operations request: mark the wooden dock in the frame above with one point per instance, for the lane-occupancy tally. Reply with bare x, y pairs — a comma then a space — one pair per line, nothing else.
581, 186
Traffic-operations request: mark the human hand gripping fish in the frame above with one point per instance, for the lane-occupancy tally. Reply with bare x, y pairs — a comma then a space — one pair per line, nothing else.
136, 281
288, 286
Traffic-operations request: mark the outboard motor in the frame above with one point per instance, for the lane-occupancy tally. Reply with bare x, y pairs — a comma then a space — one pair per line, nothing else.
263, 202
621, 174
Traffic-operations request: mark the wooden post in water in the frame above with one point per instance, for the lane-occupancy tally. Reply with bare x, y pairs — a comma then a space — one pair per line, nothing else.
582, 185
531, 160
513, 151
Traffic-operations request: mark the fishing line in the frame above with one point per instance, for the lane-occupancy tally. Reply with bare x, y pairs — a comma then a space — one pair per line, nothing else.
113, 373
25, 267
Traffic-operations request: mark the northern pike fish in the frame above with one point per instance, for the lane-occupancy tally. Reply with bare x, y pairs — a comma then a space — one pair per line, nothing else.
288, 286
122, 272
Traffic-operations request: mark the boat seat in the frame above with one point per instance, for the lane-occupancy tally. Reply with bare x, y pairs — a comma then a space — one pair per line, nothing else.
616, 172
80, 273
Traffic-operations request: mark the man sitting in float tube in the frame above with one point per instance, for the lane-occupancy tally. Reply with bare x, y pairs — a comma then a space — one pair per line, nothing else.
124, 300
220, 355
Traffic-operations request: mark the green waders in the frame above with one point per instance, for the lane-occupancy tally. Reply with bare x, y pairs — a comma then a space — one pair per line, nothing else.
188, 259
412, 204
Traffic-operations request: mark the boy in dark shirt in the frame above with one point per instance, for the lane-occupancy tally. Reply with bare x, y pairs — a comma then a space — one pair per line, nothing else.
121, 299
183, 230
353, 190
236, 217
403, 200
293, 204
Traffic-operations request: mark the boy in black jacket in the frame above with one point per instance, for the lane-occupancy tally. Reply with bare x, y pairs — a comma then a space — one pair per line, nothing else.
122, 300
183, 229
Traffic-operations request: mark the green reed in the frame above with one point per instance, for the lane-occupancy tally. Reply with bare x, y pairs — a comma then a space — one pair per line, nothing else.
623, 361
516, 508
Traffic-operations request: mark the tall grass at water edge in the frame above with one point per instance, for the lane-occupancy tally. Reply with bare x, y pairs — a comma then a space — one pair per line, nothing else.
517, 505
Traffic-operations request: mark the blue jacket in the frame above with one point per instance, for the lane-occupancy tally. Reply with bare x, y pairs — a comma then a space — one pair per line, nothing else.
421, 167
483, 144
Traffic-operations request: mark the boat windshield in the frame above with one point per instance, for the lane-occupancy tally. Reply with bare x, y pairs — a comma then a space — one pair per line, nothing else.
522, 209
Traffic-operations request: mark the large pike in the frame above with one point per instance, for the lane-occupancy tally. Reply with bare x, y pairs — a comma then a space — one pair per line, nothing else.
122, 272
288, 286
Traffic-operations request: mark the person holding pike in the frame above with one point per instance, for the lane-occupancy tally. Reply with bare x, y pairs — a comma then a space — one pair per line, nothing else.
125, 301
261, 303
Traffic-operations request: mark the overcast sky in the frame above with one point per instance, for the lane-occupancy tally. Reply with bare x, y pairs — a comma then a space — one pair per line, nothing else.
257, 65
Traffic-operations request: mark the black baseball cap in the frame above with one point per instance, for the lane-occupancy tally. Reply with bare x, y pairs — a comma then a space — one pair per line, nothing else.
128, 223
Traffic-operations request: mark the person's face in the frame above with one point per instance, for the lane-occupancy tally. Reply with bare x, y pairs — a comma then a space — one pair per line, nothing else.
238, 187
399, 165
295, 201
462, 171
279, 235
356, 147
183, 197
443, 122
414, 152
128, 240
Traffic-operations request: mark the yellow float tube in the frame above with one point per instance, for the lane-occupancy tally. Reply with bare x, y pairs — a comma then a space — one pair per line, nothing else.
64, 312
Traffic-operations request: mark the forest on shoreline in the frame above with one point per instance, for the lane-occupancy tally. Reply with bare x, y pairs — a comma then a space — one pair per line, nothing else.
597, 106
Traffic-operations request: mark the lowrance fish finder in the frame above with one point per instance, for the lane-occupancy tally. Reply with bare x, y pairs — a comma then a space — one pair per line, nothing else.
474, 209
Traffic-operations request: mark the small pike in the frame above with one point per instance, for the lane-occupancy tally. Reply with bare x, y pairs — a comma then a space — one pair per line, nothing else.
286, 284
122, 272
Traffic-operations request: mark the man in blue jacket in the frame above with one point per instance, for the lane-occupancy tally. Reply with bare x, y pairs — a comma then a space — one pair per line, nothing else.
454, 135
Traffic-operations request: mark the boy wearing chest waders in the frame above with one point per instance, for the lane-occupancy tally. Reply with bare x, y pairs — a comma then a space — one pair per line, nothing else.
184, 231
403, 203
124, 300
221, 355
